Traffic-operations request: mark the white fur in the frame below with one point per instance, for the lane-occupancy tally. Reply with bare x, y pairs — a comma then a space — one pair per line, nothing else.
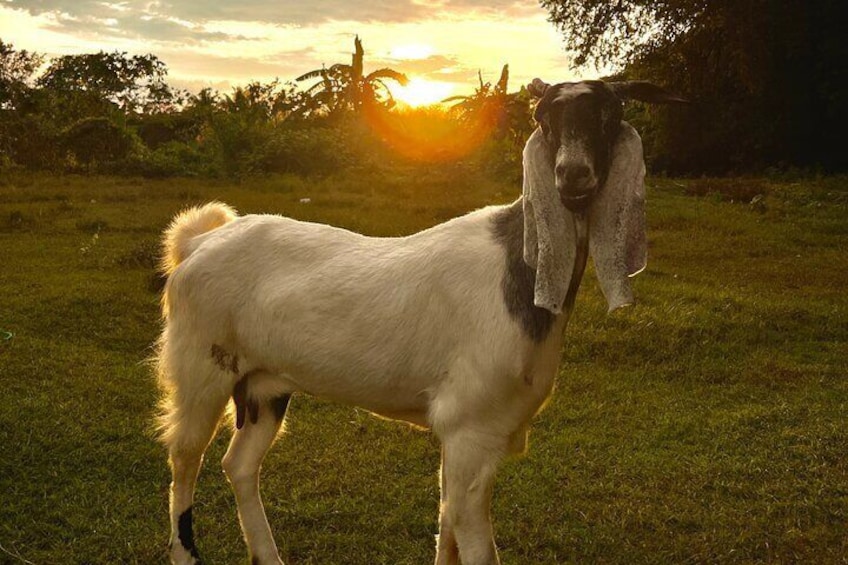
412, 328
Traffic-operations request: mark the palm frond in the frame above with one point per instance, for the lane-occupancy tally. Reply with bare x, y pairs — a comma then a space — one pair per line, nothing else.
312, 74
340, 67
397, 76
314, 87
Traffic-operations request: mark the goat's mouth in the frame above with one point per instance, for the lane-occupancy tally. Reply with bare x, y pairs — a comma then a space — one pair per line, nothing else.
576, 202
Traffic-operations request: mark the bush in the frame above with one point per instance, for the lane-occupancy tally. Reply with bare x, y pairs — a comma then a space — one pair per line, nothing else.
157, 130
29, 140
307, 150
238, 144
174, 158
98, 141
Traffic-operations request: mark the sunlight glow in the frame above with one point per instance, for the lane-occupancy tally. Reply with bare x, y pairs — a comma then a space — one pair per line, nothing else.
412, 52
421, 92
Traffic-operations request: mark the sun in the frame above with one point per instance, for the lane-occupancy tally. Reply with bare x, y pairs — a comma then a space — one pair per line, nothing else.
422, 92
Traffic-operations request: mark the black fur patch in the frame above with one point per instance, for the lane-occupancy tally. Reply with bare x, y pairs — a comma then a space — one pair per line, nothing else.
519, 280
244, 404
186, 533
224, 360
279, 405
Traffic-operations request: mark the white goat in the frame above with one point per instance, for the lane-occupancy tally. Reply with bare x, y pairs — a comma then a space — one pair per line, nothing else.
438, 329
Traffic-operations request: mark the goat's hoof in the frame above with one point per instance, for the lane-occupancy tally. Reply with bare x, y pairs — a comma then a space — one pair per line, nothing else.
182, 556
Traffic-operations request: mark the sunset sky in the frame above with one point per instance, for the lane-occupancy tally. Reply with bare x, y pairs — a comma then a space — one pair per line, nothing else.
440, 44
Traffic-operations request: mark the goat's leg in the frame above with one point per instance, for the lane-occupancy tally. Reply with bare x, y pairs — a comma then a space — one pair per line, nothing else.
468, 469
189, 429
242, 463
447, 552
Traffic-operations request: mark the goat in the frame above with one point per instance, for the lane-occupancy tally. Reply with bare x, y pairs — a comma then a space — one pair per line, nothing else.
439, 329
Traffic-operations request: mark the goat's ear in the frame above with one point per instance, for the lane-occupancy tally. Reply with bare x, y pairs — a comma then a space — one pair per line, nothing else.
617, 240
645, 92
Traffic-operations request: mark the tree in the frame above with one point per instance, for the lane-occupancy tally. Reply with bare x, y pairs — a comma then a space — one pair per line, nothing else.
494, 110
134, 84
17, 69
767, 77
484, 95
346, 87
260, 102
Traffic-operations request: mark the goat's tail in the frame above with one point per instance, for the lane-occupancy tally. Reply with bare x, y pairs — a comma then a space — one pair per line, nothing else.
177, 242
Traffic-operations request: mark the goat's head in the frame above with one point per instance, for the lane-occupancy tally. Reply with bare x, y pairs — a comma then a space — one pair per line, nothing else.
581, 122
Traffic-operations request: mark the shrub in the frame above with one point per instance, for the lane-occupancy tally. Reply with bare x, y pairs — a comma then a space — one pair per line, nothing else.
174, 158
307, 150
97, 141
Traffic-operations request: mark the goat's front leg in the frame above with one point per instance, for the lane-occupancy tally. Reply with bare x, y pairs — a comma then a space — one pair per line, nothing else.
447, 552
259, 424
468, 474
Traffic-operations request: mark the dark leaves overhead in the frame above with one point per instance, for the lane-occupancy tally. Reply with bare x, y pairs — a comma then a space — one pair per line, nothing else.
767, 77
603, 32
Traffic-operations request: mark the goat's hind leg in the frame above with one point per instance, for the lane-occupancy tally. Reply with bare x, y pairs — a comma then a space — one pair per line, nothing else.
188, 422
257, 424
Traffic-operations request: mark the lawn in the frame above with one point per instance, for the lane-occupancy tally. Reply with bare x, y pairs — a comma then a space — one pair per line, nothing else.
709, 424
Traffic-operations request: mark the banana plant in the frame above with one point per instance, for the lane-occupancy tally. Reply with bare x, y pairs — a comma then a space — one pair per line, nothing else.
345, 87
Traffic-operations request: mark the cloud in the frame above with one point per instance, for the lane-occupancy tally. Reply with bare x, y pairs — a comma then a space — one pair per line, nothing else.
152, 28
273, 11
434, 67
213, 41
194, 66
199, 11
427, 65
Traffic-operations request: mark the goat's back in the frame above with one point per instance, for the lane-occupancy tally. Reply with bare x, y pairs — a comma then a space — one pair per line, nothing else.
342, 314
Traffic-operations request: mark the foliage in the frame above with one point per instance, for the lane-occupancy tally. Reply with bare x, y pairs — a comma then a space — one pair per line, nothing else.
17, 69
310, 149
602, 32
488, 102
767, 77
135, 84
347, 88
500, 121
94, 140
30, 140
494, 109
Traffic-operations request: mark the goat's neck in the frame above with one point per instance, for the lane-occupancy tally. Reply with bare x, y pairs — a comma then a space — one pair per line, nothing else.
581, 237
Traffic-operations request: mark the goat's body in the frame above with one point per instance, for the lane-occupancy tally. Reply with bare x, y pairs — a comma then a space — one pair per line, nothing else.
386, 324
427, 328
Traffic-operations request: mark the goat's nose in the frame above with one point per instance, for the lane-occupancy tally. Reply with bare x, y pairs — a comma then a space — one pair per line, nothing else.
576, 174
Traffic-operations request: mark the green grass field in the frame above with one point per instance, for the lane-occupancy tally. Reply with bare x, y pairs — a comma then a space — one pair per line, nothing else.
706, 425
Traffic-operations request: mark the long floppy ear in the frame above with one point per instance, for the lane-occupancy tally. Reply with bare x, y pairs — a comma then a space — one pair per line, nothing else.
549, 228
645, 92
617, 239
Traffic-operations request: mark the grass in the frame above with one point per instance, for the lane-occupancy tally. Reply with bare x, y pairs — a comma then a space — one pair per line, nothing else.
706, 425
